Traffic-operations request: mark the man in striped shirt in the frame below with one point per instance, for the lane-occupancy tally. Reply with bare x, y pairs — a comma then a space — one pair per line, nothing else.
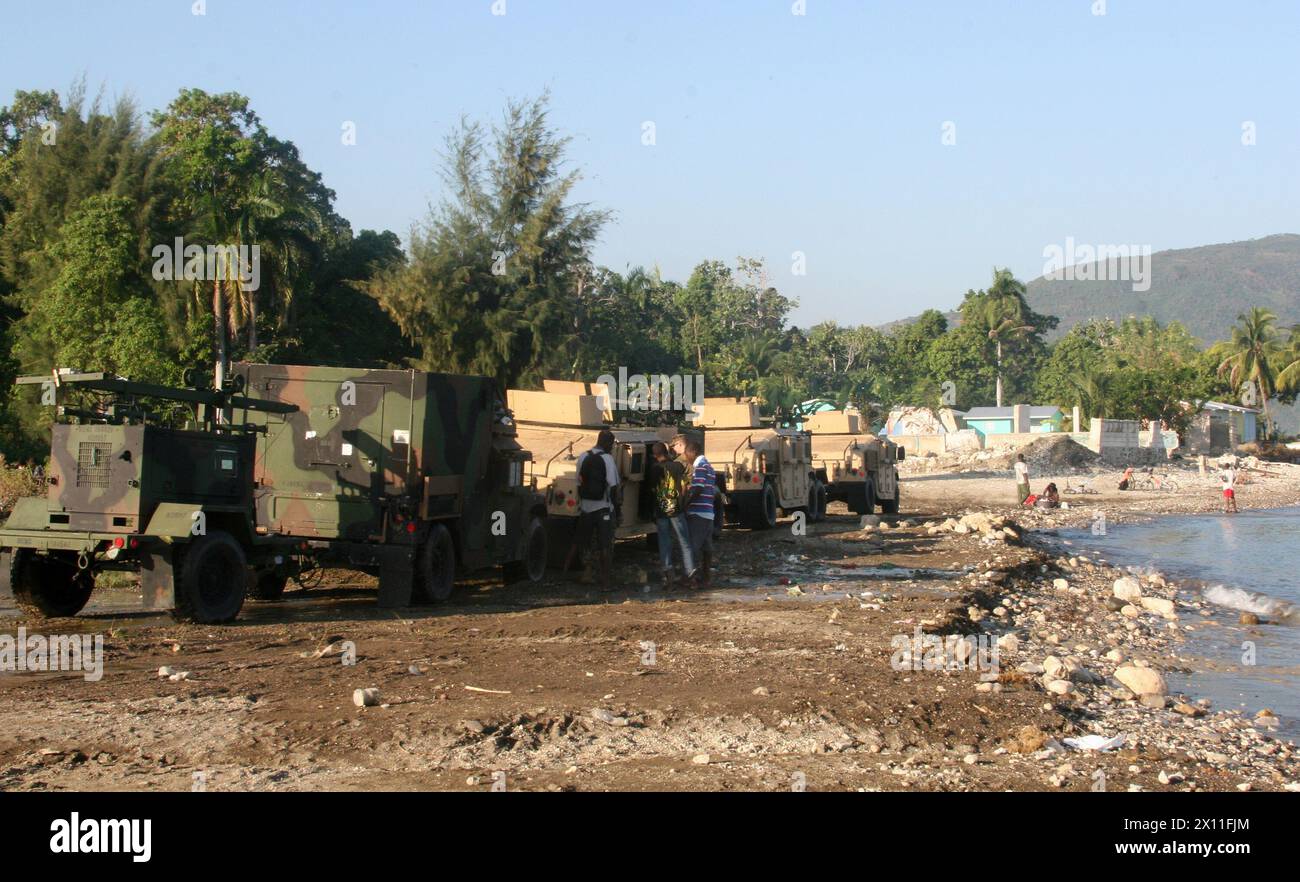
700, 495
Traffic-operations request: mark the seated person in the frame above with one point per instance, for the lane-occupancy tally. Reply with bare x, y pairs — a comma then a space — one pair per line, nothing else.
1050, 498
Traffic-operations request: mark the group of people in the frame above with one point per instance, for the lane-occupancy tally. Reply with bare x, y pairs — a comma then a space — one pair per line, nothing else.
683, 487
1050, 498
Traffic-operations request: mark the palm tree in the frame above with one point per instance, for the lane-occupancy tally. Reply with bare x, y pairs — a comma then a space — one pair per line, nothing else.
1001, 312
755, 355
1092, 388
1252, 355
1288, 375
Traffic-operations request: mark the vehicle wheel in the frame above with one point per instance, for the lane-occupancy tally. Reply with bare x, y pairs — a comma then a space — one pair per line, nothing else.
269, 585
760, 513
49, 586
533, 567
435, 573
863, 500
817, 511
890, 506
213, 580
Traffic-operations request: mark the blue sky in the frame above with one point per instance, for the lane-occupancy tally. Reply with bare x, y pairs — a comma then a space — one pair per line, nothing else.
775, 133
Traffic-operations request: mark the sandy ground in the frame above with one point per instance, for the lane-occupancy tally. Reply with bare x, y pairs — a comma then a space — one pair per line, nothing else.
779, 678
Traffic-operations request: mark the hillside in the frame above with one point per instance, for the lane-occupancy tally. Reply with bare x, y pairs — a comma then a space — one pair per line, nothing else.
1205, 288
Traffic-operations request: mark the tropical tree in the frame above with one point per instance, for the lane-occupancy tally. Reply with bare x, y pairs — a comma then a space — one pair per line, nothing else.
493, 266
211, 147
1252, 357
1288, 375
1005, 319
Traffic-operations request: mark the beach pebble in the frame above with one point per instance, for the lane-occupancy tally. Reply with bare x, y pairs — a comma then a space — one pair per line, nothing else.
1160, 606
1127, 588
1141, 680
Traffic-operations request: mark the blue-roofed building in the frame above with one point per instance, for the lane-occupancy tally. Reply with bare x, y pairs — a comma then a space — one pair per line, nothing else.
1002, 420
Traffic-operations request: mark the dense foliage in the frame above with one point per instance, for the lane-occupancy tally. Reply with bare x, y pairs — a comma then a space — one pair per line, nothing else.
497, 280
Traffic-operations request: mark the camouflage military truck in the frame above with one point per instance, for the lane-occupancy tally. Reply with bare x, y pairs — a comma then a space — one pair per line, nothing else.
126, 491
857, 467
412, 475
764, 470
559, 424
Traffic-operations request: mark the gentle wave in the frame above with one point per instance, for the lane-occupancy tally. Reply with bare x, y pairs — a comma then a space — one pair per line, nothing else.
1252, 602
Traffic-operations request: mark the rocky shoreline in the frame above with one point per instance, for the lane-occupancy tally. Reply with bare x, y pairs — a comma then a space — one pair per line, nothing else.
1096, 641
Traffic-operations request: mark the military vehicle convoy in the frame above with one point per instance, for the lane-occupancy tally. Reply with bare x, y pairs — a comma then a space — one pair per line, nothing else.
559, 424
857, 467
764, 470
411, 475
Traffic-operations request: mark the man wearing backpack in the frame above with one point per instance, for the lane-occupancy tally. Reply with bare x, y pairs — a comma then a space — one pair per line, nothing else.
599, 495
668, 483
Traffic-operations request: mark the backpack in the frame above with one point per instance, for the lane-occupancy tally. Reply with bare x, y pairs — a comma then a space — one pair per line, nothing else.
593, 481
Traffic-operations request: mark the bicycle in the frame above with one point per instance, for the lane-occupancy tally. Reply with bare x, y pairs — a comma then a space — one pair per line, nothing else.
1150, 480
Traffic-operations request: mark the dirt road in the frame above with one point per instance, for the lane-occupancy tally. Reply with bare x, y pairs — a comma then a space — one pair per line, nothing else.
779, 678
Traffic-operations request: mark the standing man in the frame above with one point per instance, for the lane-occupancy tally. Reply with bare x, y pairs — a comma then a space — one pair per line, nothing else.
668, 484
1228, 476
599, 504
700, 495
1022, 477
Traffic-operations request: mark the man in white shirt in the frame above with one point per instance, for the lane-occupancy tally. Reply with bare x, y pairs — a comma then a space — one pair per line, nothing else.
599, 495
1022, 477
1228, 476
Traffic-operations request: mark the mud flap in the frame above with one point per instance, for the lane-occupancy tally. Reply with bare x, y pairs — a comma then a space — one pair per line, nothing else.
158, 578
396, 575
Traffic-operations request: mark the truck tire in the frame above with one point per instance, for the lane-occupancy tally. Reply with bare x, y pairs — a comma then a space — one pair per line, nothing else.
760, 513
816, 502
533, 567
269, 586
890, 506
435, 570
862, 500
48, 587
213, 580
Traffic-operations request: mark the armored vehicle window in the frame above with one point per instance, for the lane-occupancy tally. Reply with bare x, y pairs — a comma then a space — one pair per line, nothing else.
227, 461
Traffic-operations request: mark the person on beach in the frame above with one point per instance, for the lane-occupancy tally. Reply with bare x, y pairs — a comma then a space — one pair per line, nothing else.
1126, 478
1228, 477
668, 483
1022, 477
1051, 498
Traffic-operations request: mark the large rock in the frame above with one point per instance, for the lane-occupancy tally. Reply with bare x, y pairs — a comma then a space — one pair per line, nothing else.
1128, 589
1160, 605
1141, 681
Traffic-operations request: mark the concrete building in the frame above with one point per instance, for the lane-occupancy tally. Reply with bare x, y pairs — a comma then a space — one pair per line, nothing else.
1220, 427
1019, 419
